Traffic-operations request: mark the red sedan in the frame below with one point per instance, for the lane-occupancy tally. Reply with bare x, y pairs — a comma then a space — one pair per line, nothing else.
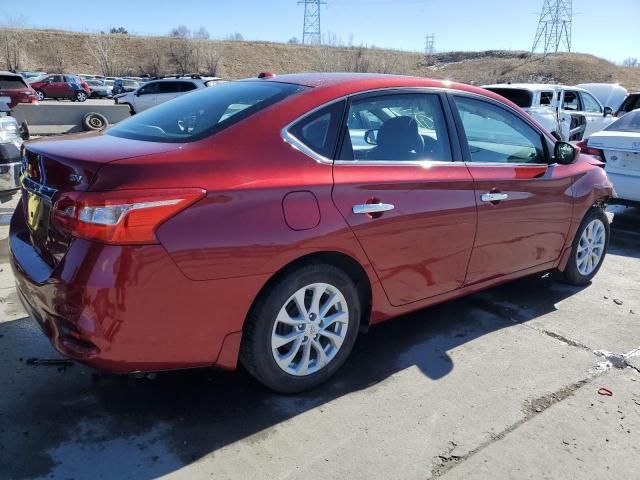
267, 220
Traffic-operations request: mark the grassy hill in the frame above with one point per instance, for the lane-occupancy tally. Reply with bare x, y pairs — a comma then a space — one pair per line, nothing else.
52, 50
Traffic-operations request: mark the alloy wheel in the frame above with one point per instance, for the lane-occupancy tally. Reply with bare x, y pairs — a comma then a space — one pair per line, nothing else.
310, 329
591, 247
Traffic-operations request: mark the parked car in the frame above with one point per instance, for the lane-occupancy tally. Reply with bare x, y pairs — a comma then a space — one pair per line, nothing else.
28, 75
99, 89
123, 85
610, 94
571, 113
632, 102
61, 86
14, 90
158, 91
11, 138
618, 146
238, 222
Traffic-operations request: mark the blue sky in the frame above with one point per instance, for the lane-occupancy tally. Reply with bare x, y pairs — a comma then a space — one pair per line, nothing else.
599, 26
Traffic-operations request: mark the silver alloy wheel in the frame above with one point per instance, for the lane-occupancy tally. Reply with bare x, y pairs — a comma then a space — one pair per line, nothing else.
591, 247
81, 96
310, 329
40, 95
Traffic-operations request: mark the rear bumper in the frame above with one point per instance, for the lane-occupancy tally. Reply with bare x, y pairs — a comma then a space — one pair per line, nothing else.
130, 309
9, 176
627, 187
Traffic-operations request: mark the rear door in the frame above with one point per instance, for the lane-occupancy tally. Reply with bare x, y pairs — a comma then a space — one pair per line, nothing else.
400, 187
524, 204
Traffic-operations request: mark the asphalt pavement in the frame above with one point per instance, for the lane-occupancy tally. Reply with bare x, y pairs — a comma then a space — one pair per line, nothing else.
503, 384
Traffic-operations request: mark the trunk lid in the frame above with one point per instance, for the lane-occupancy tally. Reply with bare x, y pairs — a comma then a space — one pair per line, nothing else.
65, 164
621, 151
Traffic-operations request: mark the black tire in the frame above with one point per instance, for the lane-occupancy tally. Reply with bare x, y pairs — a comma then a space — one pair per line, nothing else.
80, 97
255, 352
131, 110
572, 274
94, 121
41, 95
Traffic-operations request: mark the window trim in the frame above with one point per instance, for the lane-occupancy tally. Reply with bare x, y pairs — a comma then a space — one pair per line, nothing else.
546, 141
456, 147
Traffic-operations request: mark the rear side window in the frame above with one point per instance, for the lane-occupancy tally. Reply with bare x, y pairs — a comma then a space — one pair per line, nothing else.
571, 101
319, 131
204, 112
521, 97
9, 82
186, 86
546, 99
168, 87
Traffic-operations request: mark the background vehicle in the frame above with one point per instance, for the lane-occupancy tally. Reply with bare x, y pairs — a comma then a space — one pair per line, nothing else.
99, 89
122, 85
155, 92
61, 86
238, 222
11, 137
610, 94
618, 146
28, 75
632, 102
14, 90
570, 112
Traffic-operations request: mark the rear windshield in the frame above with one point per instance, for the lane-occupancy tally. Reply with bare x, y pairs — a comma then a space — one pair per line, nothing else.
629, 123
8, 82
202, 113
631, 102
522, 98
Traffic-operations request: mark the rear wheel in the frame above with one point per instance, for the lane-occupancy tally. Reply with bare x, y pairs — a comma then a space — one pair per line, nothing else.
589, 248
81, 96
40, 94
301, 329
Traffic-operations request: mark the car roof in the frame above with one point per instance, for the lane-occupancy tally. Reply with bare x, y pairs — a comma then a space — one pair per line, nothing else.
535, 86
9, 74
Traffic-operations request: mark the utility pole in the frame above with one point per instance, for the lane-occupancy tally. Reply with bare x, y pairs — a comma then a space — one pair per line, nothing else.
554, 26
429, 45
311, 32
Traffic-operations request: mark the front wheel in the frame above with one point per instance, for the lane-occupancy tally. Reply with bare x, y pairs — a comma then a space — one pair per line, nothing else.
589, 248
302, 328
40, 94
81, 96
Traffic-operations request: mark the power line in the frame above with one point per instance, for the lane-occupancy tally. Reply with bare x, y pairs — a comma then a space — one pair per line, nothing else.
311, 32
554, 26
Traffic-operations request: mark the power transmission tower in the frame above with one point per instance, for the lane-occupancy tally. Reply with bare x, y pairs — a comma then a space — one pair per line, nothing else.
311, 32
554, 26
429, 45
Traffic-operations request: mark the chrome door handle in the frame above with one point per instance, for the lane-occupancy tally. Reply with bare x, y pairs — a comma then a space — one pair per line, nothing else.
494, 197
373, 208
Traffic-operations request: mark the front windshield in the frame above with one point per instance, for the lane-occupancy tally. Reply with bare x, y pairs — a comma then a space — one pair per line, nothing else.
628, 123
203, 112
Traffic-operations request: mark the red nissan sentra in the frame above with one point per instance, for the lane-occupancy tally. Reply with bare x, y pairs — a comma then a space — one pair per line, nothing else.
266, 220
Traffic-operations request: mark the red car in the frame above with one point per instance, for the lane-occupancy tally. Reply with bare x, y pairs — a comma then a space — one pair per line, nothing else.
13, 87
62, 86
267, 220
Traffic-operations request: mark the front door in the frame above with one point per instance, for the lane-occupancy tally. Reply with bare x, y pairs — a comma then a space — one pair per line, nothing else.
524, 203
409, 202
594, 114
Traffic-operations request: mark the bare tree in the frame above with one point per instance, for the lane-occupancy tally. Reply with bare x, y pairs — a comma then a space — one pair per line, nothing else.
12, 40
56, 60
630, 62
181, 31
103, 49
211, 59
235, 37
184, 55
201, 34
154, 64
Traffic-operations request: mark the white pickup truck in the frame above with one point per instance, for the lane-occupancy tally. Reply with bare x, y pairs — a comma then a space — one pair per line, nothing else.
571, 113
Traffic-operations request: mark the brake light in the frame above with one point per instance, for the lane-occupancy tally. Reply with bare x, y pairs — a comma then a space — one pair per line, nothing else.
126, 217
595, 152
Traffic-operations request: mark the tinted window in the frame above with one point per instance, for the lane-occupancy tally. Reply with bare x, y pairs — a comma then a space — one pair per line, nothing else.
186, 86
10, 82
319, 131
629, 123
496, 135
400, 127
202, 113
546, 98
631, 103
571, 101
168, 87
522, 98
590, 103
149, 88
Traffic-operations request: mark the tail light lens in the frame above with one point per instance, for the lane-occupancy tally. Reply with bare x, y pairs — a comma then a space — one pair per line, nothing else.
594, 152
125, 217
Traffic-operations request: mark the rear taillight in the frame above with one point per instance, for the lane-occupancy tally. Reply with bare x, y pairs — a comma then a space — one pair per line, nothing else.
594, 152
123, 217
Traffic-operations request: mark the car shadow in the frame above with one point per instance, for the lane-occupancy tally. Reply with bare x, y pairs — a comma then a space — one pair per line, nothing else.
74, 423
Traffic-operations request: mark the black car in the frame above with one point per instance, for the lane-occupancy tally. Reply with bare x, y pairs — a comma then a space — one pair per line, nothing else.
632, 102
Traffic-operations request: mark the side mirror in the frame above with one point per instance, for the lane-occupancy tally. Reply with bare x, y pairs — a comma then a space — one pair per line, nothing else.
371, 137
608, 111
564, 153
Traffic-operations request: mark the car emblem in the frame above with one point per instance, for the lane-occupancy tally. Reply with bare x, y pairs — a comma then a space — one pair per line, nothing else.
75, 178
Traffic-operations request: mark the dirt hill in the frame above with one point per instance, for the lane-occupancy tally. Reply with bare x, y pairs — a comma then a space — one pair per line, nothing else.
52, 50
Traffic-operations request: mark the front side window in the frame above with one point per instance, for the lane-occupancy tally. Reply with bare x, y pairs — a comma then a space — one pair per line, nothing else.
590, 104
571, 101
496, 135
319, 131
397, 127
148, 89
203, 113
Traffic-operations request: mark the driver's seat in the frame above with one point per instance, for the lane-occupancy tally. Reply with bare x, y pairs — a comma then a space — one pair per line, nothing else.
398, 139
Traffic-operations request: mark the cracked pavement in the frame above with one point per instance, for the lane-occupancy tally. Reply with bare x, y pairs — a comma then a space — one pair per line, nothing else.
502, 384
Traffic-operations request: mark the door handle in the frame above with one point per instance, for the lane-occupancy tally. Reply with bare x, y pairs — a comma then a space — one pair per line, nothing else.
369, 208
494, 197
